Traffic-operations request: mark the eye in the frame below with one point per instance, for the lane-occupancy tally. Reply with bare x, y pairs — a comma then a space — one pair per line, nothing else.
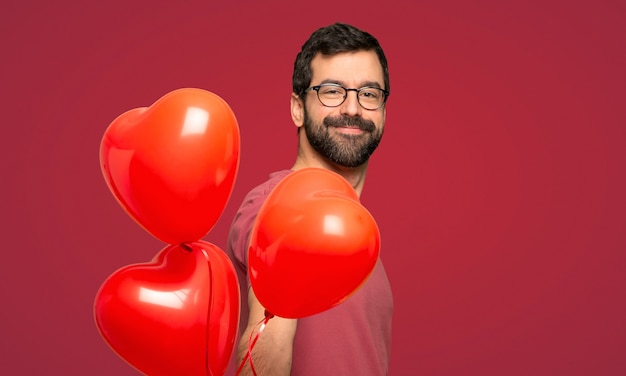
370, 93
331, 90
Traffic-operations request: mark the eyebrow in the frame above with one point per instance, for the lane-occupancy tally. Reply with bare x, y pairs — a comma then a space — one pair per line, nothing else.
363, 84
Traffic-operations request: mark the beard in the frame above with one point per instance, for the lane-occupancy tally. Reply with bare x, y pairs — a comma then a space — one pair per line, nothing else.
347, 150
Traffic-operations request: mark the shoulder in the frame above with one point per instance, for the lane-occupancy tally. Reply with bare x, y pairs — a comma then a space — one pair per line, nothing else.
257, 195
247, 212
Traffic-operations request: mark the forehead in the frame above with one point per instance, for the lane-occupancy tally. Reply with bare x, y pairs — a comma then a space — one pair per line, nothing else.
351, 69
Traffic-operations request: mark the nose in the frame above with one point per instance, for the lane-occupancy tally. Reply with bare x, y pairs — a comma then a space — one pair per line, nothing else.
351, 106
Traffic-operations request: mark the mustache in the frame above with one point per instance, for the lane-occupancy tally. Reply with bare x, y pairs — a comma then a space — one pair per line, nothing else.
350, 121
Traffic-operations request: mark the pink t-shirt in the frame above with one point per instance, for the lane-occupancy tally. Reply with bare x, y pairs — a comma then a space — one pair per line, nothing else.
352, 338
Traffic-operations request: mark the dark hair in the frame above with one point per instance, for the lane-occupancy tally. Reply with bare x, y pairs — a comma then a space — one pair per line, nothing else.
331, 40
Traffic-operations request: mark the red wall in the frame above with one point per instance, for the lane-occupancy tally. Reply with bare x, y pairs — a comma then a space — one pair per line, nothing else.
498, 187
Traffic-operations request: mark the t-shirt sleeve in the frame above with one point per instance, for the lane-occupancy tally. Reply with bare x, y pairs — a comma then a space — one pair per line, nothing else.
241, 228
243, 222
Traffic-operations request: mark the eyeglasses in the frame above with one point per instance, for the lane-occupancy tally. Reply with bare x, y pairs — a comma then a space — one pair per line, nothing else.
333, 95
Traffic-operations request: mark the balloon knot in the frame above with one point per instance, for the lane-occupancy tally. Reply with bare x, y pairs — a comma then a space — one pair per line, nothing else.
187, 247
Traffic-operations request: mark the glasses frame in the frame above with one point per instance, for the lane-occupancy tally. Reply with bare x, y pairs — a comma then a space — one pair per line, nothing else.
347, 90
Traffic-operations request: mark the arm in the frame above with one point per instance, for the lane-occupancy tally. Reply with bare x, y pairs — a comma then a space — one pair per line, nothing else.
272, 352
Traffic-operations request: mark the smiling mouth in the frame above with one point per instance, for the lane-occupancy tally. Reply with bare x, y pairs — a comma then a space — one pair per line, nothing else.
349, 130
347, 126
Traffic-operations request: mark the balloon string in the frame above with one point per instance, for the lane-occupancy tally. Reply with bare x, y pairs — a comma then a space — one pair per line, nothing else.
206, 357
251, 342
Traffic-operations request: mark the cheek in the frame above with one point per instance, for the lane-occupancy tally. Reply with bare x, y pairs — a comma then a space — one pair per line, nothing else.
317, 115
382, 116
379, 120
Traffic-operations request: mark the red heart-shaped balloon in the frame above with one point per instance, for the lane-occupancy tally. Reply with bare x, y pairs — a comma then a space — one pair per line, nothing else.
312, 245
172, 166
177, 315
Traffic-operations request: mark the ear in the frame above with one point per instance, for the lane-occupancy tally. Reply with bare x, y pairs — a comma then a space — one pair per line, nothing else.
297, 110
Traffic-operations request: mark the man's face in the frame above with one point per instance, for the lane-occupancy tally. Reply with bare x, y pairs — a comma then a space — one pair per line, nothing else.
348, 134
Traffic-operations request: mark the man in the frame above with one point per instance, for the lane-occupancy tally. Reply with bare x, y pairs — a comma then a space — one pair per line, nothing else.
340, 87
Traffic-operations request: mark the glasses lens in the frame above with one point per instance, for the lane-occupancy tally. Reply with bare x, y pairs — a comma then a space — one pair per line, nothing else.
331, 95
371, 97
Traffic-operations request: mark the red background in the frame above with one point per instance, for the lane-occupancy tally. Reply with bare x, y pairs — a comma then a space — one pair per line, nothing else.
498, 187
